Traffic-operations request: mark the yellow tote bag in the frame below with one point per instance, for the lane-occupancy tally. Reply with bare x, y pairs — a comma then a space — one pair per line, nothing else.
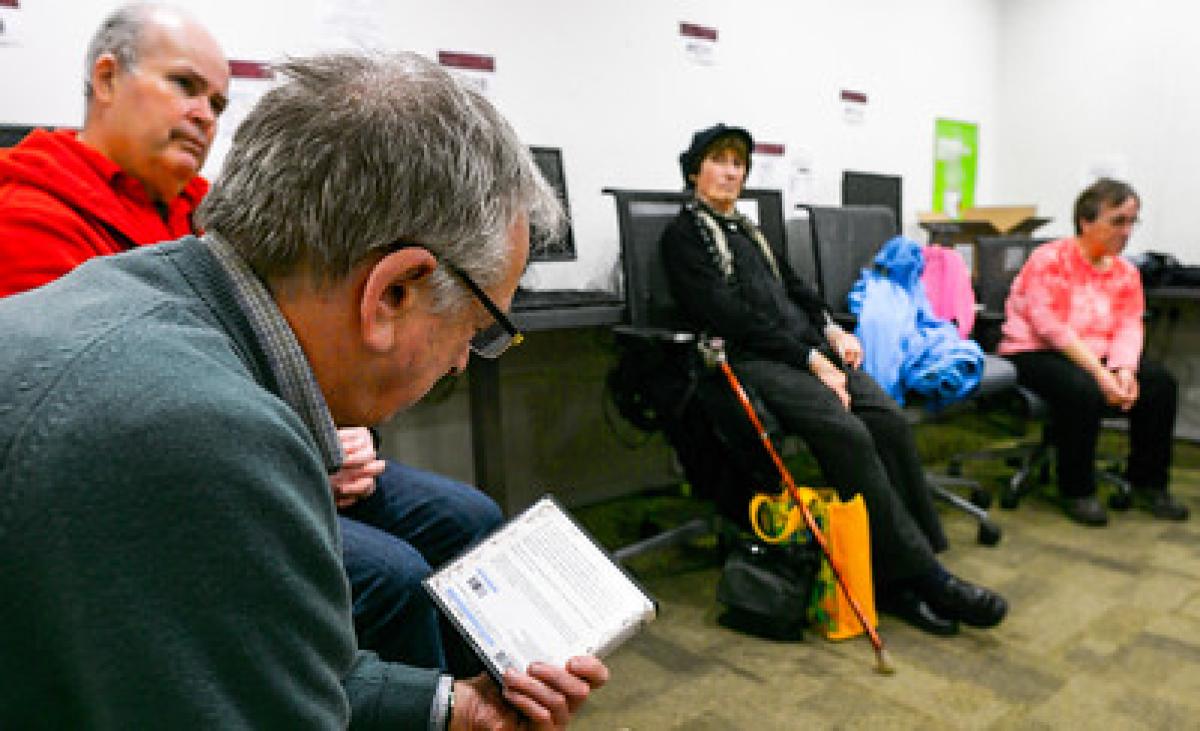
777, 519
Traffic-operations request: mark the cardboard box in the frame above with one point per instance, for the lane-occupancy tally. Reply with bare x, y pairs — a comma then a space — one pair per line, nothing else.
981, 221
961, 233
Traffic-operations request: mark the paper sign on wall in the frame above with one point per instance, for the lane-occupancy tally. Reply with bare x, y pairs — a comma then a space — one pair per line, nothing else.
699, 43
10, 23
854, 106
767, 168
1114, 165
351, 24
471, 69
248, 81
800, 188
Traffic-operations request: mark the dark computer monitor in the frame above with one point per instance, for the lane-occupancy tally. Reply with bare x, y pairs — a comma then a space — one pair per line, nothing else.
873, 189
549, 161
11, 134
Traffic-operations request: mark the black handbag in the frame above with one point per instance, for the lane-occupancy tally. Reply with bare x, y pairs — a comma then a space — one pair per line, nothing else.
767, 589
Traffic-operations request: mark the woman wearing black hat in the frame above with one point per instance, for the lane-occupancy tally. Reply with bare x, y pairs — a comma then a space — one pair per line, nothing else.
783, 343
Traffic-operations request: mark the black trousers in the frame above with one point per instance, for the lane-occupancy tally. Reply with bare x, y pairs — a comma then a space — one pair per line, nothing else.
869, 450
1077, 406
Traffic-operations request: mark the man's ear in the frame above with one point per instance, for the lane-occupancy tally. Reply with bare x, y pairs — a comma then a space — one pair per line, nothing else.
104, 76
391, 292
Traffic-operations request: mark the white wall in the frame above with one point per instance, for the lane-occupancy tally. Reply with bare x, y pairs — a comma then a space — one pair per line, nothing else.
608, 82
1102, 86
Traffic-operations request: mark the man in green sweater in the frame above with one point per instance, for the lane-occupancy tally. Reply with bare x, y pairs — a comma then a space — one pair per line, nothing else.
168, 419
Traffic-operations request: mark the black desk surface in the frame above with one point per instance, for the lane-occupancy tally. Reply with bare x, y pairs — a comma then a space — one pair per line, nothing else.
1173, 293
557, 309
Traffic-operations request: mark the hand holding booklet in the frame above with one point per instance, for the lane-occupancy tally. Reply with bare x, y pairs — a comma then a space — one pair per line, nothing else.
540, 589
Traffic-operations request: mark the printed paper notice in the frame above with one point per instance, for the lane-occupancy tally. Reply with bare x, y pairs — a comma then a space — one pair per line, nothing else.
10, 23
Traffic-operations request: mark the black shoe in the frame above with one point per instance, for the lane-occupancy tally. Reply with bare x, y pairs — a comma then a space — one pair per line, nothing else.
1085, 510
968, 603
1160, 504
906, 605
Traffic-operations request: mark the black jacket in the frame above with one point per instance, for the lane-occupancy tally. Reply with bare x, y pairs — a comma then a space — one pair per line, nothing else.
758, 314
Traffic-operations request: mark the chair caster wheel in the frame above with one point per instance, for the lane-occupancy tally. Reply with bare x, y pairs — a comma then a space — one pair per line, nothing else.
1009, 501
1120, 501
989, 533
981, 498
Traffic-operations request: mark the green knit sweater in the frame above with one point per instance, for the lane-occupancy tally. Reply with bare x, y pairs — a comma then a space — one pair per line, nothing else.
169, 554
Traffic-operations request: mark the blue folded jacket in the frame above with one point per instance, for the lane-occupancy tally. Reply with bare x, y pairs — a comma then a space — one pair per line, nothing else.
905, 347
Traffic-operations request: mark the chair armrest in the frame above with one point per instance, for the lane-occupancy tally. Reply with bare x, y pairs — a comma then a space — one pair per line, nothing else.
655, 334
845, 320
999, 375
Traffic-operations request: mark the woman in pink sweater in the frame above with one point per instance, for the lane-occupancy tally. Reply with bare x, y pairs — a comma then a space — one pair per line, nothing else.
1073, 328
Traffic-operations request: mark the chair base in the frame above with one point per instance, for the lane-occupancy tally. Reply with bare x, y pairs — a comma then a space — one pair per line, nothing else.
989, 533
684, 533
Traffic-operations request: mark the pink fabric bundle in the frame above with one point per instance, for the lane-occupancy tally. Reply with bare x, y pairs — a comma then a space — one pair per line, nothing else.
948, 286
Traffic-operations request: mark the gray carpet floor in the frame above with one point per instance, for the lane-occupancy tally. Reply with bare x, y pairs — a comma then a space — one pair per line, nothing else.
1103, 633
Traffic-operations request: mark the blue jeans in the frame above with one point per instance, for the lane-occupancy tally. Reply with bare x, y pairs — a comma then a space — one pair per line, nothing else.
413, 521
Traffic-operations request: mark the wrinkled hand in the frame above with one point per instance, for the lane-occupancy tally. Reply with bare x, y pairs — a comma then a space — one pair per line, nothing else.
1114, 389
1128, 383
848, 348
545, 698
831, 376
356, 479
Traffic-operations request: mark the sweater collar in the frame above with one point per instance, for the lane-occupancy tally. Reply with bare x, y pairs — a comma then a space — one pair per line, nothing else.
289, 366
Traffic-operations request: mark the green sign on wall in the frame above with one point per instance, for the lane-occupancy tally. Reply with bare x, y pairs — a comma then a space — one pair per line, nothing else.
955, 157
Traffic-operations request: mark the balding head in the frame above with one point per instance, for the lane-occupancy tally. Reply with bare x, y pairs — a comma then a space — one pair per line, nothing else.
157, 80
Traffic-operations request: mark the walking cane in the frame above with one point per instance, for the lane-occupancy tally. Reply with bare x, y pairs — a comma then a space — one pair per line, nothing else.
882, 661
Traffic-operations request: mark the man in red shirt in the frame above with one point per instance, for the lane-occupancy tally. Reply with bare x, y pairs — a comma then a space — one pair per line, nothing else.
130, 177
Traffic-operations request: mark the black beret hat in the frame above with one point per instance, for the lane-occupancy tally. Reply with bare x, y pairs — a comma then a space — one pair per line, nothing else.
690, 159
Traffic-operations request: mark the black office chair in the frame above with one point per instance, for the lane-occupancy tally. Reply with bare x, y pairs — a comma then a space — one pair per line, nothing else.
11, 134
660, 381
998, 259
846, 240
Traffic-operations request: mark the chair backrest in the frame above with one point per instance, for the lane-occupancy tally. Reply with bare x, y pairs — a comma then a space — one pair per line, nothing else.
800, 247
997, 261
845, 239
11, 134
642, 216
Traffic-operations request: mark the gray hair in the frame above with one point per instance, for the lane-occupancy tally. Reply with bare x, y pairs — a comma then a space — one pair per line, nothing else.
355, 153
119, 34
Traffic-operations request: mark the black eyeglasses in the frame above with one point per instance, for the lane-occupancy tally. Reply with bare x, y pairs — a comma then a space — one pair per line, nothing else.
502, 334
1123, 221
493, 340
